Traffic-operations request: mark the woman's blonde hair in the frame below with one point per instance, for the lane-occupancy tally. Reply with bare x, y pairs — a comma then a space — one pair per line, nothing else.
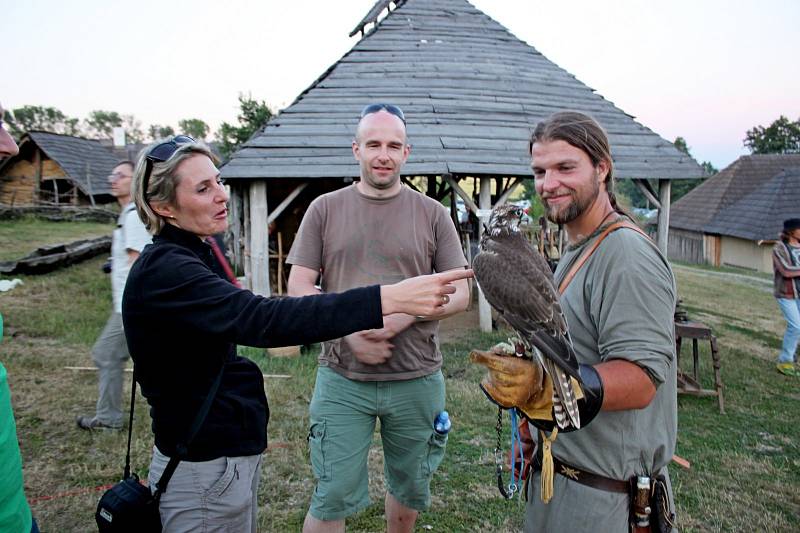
163, 180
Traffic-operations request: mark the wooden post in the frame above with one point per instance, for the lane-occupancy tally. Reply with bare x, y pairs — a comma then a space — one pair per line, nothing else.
235, 226
664, 188
248, 269
89, 183
55, 190
485, 201
259, 239
37, 186
431, 182
279, 273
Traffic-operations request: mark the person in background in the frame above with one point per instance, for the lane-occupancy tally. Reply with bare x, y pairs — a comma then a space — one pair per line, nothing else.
184, 318
15, 514
786, 265
110, 351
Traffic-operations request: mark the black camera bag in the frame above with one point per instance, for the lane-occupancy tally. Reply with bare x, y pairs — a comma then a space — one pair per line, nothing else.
129, 506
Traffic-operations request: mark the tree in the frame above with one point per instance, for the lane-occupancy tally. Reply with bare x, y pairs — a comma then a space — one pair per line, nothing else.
32, 117
102, 123
194, 127
681, 187
680, 144
157, 131
780, 137
252, 117
133, 129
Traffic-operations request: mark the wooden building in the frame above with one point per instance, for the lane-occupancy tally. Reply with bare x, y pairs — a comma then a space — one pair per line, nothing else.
734, 217
57, 169
471, 92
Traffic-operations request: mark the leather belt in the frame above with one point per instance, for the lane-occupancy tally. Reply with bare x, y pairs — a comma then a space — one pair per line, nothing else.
586, 478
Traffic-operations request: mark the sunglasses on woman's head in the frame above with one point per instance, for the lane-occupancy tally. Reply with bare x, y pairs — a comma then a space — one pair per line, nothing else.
160, 153
389, 108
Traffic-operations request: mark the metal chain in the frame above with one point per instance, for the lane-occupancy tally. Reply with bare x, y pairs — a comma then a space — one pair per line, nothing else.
498, 460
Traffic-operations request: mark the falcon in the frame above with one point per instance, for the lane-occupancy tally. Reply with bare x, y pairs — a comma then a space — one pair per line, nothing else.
517, 282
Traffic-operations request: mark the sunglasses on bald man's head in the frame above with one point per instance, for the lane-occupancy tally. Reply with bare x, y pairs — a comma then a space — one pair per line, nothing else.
389, 108
160, 153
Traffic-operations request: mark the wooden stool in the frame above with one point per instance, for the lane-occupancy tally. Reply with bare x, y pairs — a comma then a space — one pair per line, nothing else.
689, 383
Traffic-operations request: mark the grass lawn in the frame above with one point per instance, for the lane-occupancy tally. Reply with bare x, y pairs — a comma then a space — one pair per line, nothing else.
745, 464
22, 236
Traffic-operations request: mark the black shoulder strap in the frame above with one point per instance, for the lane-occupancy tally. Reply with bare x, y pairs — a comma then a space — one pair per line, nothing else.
127, 473
182, 448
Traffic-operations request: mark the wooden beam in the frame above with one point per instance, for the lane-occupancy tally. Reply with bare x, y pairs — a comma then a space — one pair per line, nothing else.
508, 192
462, 193
407, 181
484, 310
648, 192
444, 190
664, 190
286, 202
235, 226
259, 239
246, 262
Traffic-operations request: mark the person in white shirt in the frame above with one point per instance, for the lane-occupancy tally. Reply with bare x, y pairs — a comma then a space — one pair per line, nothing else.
110, 351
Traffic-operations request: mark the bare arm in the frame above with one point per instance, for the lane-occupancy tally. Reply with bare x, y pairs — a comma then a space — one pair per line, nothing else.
625, 385
302, 281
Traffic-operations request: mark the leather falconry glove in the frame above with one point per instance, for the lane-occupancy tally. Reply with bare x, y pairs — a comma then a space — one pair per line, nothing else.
516, 382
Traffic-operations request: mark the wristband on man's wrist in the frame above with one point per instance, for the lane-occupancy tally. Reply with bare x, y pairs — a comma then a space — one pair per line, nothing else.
588, 406
592, 400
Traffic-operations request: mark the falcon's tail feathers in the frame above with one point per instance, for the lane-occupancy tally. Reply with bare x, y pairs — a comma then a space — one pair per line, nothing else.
565, 404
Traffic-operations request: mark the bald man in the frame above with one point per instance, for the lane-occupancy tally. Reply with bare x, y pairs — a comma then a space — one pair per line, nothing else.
376, 231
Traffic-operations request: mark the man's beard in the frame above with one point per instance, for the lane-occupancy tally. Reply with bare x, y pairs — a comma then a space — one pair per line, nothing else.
576, 207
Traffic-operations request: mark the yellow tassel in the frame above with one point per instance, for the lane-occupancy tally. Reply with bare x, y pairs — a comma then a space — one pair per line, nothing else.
547, 464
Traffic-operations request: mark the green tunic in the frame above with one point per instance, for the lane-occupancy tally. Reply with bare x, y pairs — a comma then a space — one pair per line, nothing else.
15, 516
620, 305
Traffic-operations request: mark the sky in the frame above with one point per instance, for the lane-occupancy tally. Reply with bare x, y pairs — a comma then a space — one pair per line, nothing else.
706, 70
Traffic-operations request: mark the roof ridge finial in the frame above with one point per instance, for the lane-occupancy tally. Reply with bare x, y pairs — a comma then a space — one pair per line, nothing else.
372, 15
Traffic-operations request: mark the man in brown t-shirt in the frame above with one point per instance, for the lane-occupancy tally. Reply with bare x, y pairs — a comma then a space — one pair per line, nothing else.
376, 231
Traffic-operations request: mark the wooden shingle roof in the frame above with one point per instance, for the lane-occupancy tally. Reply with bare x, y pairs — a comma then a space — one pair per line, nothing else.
700, 207
76, 156
471, 92
759, 215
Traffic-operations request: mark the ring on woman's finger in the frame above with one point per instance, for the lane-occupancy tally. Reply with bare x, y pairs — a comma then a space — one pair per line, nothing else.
445, 299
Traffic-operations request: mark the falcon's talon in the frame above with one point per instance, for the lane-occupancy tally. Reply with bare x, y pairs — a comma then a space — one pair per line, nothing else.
502, 348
